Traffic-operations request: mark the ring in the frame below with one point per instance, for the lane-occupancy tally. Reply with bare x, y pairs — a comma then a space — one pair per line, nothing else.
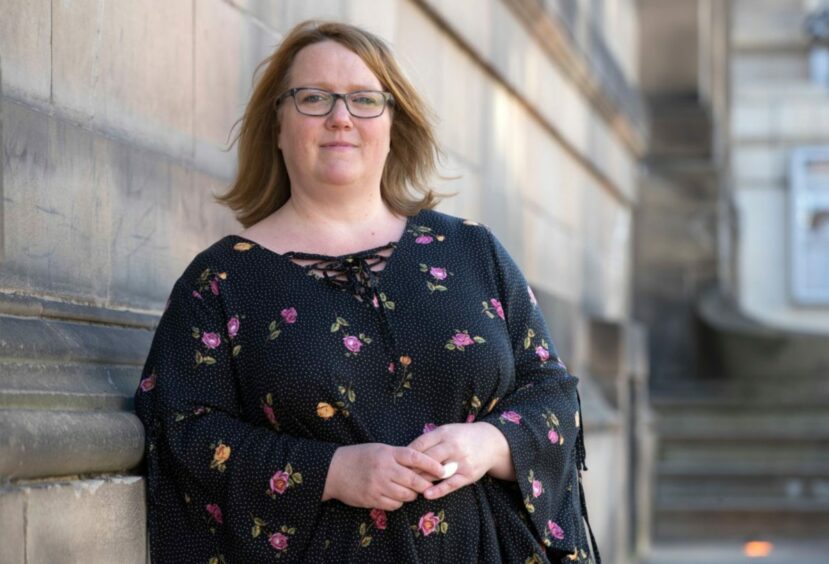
449, 469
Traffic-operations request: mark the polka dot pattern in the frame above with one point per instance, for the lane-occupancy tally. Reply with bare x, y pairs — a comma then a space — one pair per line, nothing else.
259, 371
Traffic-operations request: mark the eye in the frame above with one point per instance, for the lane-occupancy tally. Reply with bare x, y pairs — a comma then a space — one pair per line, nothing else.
313, 97
368, 99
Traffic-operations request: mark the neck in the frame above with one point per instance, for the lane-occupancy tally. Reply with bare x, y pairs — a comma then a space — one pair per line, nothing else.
339, 211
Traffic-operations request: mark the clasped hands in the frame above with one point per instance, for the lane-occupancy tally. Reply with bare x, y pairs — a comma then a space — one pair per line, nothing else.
376, 475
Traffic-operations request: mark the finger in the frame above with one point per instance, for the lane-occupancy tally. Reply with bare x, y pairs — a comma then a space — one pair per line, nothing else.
426, 441
441, 452
418, 461
387, 504
446, 486
400, 493
413, 480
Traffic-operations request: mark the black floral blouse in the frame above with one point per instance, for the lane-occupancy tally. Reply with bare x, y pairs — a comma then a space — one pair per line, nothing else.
261, 367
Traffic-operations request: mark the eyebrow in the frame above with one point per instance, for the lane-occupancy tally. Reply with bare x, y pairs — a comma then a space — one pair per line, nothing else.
329, 87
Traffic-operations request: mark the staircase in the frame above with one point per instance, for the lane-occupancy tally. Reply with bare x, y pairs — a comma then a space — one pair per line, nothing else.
745, 454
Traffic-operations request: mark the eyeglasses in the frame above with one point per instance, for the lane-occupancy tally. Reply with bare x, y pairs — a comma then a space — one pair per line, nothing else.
317, 102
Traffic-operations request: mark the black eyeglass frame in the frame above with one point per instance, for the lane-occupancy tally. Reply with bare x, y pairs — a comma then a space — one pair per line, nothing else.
388, 99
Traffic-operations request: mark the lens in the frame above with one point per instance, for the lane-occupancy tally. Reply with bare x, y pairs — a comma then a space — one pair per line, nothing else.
366, 103
313, 102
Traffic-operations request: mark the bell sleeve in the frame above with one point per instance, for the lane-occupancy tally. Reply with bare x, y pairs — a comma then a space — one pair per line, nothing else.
540, 417
210, 472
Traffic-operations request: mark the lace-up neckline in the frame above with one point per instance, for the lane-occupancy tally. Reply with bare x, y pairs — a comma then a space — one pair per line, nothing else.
355, 272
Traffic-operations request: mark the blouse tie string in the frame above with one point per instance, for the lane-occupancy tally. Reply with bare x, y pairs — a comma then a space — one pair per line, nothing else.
581, 464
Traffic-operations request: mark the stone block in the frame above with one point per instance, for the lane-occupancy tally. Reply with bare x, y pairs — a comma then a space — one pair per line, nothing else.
419, 44
12, 531
25, 36
100, 521
802, 122
759, 69
754, 121
477, 31
760, 165
380, 18
228, 47
128, 67
54, 222
767, 23
40, 443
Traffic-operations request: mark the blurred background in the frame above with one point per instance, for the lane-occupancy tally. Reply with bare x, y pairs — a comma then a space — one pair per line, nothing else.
659, 168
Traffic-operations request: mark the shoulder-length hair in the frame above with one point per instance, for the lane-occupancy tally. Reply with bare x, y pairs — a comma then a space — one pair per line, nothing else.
262, 184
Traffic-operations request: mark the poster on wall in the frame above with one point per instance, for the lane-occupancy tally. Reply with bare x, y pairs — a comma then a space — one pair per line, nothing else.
809, 225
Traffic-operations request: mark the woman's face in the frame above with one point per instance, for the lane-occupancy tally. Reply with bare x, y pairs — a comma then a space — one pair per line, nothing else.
336, 149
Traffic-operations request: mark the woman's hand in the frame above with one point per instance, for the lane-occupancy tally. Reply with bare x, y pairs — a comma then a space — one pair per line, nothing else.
375, 475
478, 448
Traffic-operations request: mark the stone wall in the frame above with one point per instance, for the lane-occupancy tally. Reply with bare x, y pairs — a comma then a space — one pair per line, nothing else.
774, 108
115, 117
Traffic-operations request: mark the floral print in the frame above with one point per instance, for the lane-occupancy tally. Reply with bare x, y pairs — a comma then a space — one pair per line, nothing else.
282, 480
221, 454
287, 317
379, 521
278, 540
351, 342
510, 417
438, 275
493, 308
461, 339
431, 523
267, 409
286, 371
424, 235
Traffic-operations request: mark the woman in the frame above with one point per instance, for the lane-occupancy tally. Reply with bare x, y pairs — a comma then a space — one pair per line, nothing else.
403, 402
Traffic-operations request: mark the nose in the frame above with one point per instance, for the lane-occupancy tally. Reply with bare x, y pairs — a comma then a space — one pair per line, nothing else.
339, 116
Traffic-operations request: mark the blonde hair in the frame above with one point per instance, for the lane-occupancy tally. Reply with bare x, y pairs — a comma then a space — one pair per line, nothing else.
262, 184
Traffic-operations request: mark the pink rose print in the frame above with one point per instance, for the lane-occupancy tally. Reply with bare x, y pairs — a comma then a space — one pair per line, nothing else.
215, 512
462, 340
278, 541
379, 517
532, 296
470, 418
555, 530
552, 434
439, 273
280, 481
542, 353
498, 308
148, 383
197, 295
391, 367
269, 414
233, 326
428, 524
429, 427
511, 416
352, 343
538, 489
375, 301
424, 240
214, 287
289, 315
211, 340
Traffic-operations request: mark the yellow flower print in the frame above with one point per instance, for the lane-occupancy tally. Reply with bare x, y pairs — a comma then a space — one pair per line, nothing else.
221, 454
325, 410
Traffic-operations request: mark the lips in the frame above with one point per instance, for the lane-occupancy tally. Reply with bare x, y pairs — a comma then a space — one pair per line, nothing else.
338, 145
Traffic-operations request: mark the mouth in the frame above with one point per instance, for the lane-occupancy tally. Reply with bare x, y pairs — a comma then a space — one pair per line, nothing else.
338, 145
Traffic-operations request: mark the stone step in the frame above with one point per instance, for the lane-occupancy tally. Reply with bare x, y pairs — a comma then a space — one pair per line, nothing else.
743, 485
713, 518
681, 129
725, 446
686, 419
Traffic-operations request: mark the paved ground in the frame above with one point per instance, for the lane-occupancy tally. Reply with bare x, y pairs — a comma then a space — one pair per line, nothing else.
801, 552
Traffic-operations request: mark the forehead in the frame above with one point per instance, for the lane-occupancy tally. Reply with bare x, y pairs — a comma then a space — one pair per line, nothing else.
332, 66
